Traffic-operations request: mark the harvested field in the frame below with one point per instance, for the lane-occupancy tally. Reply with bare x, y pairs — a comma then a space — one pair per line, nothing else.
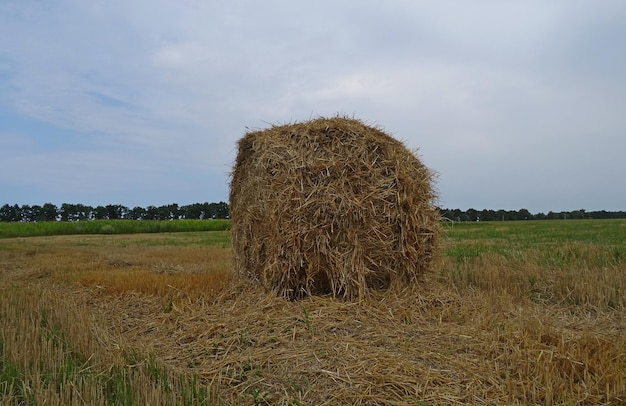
517, 313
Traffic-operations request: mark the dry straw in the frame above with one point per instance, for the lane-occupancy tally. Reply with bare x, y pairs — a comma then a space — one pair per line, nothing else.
330, 206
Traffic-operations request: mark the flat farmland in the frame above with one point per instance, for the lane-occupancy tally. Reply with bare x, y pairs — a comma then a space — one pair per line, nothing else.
515, 313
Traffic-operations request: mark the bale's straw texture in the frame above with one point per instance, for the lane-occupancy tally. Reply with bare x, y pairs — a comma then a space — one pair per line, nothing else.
330, 206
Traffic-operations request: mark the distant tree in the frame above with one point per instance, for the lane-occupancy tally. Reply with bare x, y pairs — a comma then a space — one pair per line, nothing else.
453, 214
524, 214
112, 212
192, 211
83, 212
163, 213
488, 215
9, 213
33, 213
602, 214
472, 214
222, 211
48, 212
210, 211
152, 213
100, 213
26, 213
502, 215
458, 215
67, 212
174, 211
137, 213
207, 210
217, 211
116, 211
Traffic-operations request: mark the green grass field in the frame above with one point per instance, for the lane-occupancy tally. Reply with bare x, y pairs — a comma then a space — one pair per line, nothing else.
528, 233
527, 312
12, 230
558, 242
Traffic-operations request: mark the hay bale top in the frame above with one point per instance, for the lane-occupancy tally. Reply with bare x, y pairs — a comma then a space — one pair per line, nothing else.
330, 206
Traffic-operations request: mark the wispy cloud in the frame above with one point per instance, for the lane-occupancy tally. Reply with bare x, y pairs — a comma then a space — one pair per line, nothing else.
511, 102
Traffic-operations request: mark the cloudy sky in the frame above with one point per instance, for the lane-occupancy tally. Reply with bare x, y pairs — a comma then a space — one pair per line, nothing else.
516, 104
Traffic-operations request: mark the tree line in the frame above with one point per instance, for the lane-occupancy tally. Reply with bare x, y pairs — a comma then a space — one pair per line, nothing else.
81, 212
204, 211
523, 214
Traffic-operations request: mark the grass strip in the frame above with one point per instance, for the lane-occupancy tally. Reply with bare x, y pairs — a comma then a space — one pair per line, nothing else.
13, 230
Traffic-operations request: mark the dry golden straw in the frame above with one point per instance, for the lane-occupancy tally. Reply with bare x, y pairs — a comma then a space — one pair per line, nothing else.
330, 206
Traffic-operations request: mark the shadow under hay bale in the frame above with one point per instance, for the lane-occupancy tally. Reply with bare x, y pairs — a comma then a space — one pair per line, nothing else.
330, 206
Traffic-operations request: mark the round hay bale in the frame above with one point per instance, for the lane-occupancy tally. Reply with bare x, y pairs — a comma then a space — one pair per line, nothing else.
330, 206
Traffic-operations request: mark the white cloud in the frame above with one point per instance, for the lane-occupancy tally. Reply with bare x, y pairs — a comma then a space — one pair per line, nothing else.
489, 91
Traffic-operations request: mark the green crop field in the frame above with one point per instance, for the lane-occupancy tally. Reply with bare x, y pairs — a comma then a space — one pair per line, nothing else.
130, 312
47, 228
555, 243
